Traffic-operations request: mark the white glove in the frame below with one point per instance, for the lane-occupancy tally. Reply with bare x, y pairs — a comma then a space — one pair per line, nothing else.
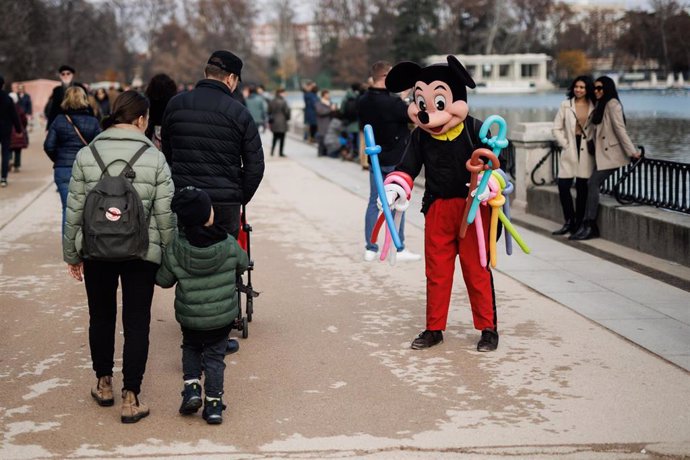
394, 195
485, 194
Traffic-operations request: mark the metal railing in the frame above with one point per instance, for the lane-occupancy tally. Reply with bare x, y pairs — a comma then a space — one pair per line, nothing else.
660, 183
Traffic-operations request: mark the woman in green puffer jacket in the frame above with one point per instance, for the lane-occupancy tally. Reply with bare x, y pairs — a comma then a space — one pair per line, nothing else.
204, 261
123, 135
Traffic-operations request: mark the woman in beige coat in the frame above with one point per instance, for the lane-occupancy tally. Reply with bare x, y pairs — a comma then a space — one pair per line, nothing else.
613, 149
570, 128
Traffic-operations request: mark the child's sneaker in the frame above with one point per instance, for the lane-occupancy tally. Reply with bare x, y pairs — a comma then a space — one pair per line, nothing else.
213, 411
191, 398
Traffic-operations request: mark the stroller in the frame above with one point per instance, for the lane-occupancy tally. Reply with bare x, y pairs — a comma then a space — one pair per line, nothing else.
241, 323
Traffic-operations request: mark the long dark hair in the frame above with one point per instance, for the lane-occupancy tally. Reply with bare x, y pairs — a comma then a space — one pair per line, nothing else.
160, 90
128, 106
610, 92
589, 87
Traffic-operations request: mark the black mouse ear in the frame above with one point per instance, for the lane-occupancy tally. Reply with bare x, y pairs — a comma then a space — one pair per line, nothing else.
460, 71
402, 76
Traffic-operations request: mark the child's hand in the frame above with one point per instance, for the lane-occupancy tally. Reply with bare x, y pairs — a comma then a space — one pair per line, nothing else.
76, 271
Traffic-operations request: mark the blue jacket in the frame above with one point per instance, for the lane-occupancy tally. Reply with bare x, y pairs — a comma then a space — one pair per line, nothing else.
310, 100
62, 142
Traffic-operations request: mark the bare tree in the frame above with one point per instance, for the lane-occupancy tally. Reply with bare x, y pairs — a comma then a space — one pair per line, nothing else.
663, 10
286, 47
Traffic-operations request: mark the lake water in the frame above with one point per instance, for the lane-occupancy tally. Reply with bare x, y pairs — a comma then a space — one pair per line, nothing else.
658, 120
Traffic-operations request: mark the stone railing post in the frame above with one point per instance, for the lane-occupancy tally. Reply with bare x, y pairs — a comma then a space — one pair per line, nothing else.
532, 142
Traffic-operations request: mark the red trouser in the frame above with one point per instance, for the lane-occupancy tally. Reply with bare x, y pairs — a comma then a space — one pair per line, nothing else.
442, 243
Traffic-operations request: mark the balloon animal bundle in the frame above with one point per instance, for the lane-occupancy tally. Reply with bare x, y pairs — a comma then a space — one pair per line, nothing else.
489, 186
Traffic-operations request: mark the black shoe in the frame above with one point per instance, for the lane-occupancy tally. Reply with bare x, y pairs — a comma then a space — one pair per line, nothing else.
587, 231
213, 411
427, 339
283, 155
489, 340
191, 398
232, 346
568, 227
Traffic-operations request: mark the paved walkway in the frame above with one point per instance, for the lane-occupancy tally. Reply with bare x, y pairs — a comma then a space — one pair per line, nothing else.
327, 371
650, 313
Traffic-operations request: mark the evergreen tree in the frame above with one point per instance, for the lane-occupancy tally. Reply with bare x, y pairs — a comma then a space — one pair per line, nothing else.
416, 27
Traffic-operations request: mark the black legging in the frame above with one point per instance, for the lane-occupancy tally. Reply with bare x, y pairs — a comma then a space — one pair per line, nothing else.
101, 280
569, 213
278, 137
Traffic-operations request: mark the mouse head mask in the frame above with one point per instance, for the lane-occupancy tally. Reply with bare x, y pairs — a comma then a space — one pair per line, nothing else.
439, 92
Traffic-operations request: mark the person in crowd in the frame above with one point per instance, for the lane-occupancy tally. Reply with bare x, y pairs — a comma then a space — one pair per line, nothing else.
113, 93
24, 101
325, 109
278, 116
570, 128
71, 130
387, 115
335, 140
122, 138
103, 102
256, 105
200, 260
612, 149
93, 102
54, 106
8, 120
310, 121
160, 90
20, 139
348, 109
223, 155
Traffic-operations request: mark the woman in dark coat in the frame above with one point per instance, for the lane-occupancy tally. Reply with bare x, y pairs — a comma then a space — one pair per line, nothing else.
278, 116
159, 91
68, 133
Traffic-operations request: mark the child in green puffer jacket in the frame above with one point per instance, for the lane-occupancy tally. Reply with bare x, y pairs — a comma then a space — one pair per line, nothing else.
204, 261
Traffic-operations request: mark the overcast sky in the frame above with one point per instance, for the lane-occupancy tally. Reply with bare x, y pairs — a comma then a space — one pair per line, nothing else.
304, 8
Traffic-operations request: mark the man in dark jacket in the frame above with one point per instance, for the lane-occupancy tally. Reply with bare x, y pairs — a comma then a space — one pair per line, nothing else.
211, 141
53, 108
387, 115
8, 119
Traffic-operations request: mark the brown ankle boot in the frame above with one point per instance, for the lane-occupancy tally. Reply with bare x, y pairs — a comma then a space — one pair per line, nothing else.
132, 409
103, 392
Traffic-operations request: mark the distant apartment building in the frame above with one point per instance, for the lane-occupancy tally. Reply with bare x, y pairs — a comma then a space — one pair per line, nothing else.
266, 39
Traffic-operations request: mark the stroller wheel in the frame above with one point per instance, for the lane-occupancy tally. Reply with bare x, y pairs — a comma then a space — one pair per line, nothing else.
250, 308
245, 328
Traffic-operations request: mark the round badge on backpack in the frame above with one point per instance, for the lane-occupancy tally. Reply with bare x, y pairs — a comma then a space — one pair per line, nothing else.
113, 214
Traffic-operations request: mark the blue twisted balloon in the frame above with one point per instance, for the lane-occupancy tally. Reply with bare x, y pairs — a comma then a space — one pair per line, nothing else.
497, 144
373, 151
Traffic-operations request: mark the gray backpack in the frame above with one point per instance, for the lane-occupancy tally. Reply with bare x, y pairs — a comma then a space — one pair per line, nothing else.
115, 227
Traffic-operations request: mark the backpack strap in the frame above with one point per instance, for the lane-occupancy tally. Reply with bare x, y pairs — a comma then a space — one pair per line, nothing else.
99, 160
127, 171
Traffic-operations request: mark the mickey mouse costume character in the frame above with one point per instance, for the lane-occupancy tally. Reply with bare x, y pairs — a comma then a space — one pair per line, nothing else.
442, 142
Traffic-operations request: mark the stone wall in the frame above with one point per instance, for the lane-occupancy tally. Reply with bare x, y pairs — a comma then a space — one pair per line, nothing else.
661, 233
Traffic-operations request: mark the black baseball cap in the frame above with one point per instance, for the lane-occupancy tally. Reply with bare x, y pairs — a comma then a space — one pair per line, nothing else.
66, 68
227, 61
